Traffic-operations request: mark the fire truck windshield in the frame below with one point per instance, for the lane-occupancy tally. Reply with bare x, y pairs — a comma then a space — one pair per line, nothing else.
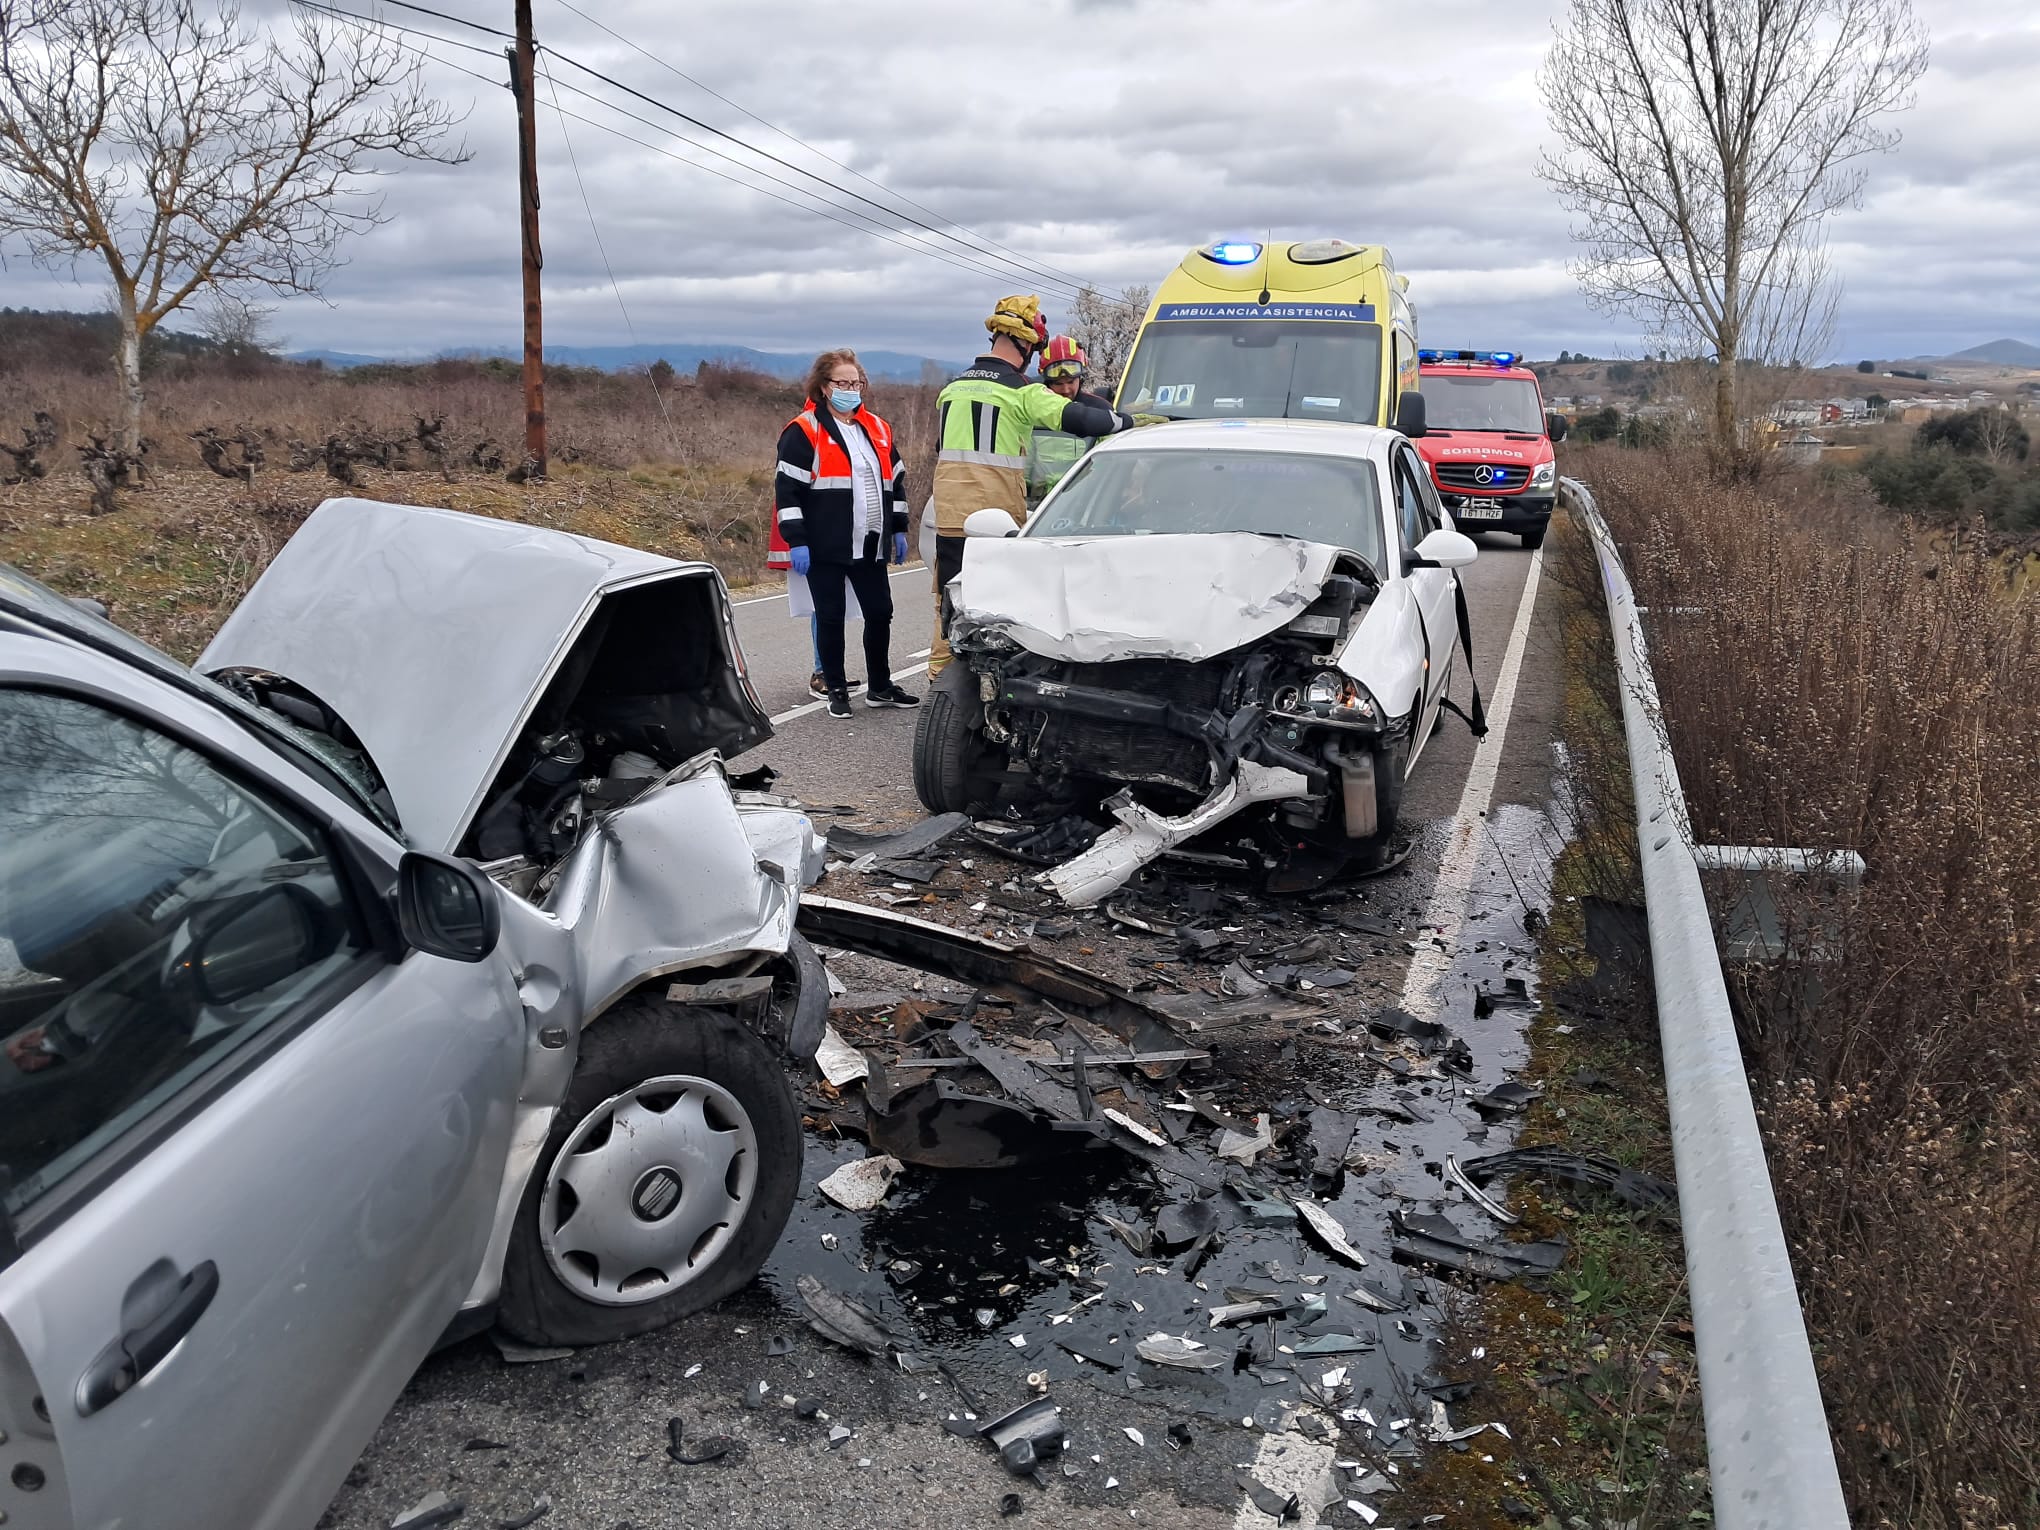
1453, 401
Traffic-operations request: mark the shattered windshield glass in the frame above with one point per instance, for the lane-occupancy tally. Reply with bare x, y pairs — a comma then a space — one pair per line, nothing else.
1481, 403
1302, 369
1294, 494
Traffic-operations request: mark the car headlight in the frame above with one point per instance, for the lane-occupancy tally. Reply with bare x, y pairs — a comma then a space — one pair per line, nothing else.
1544, 475
1340, 698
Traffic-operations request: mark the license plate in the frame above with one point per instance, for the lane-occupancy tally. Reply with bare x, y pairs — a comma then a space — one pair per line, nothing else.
1474, 510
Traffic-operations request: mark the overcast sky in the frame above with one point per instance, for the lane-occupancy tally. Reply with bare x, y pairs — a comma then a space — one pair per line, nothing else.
1100, 139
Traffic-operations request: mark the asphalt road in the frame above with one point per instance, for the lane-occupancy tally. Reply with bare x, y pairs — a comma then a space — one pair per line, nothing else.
588, 1434
780, 652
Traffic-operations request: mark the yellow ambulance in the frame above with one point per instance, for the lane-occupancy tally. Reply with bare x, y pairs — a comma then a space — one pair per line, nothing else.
1317, 330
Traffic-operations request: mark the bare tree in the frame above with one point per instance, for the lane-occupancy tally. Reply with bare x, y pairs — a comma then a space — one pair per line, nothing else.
1702, 146
1106, 328
193, 157
238, 327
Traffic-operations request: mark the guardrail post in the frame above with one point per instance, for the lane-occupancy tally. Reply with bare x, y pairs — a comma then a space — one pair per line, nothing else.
1769, 1456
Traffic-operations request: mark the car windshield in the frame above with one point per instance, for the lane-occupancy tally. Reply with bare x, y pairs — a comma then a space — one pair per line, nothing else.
1473, 402
1200, 369
1292, 494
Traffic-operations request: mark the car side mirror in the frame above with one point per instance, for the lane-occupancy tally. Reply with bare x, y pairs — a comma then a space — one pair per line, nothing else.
258, 943
1554, 427
990, 522
1446, 549
445, 907
1409, 414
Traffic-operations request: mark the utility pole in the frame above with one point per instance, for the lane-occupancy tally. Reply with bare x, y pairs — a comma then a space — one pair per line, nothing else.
523, 84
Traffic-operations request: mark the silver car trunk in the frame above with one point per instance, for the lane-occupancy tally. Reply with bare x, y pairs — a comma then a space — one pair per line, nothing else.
448, 644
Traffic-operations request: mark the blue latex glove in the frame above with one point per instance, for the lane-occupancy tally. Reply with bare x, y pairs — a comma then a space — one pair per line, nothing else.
801, 560
899, 547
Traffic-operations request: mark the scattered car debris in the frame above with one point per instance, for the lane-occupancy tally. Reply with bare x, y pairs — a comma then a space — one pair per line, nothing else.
1029, 1437
1631, 1187
1325, 1227
1136, 1436
1507, 1099
1010, 1505
1432, 1239
712, 1448
1243, 1147
841, 1063
844, 1320
1479, 1197
435, 1508
1282, 1507
540, 1508
916, 840
862, 1185
1184, 1223
1184, 1354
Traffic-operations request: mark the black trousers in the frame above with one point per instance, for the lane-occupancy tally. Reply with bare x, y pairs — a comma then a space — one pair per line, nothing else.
874, 593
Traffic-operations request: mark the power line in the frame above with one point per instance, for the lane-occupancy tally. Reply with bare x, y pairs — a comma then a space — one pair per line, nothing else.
397, 26
869, 225
1035, 272
629, 328
901, 197
459, 21
966, 257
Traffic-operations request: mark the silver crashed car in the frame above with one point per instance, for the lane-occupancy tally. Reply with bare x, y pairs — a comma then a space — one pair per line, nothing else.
410, 964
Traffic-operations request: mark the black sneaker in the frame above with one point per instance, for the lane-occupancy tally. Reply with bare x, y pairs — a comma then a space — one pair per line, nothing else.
839, 704
890, 695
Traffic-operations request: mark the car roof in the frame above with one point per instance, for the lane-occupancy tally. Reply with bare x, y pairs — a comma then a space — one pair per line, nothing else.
1325, 438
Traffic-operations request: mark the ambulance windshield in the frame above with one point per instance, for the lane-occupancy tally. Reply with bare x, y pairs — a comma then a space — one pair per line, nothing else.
1469, 401
1206, 369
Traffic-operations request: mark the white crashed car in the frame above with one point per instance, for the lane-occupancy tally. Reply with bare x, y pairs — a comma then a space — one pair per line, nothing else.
1203, 618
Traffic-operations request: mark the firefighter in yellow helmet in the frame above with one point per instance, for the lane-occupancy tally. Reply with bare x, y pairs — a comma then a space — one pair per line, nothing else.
987, 416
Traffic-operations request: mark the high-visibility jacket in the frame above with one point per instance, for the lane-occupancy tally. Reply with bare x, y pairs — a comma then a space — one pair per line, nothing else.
988, 415
812, 492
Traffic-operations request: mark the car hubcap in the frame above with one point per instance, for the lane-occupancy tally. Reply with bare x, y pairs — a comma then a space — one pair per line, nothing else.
648, 1190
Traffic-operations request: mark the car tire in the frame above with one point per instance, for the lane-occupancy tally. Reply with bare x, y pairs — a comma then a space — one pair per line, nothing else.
1532, 540
952, 756
742, 1094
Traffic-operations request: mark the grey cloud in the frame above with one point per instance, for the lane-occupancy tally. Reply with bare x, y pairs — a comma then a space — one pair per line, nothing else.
1135, 130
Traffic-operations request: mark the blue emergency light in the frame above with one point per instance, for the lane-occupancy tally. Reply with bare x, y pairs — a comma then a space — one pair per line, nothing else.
1237, 253
1485, 358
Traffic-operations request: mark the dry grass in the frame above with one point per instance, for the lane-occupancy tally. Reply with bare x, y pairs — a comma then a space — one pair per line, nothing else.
688, 474
1832, 685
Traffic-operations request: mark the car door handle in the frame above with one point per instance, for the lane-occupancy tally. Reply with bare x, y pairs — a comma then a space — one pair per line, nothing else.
140, 1349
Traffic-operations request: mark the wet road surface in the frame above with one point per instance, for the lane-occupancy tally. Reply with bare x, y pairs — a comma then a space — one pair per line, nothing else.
989, 1254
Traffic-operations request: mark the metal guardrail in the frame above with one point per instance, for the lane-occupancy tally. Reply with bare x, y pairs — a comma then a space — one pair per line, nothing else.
1769, 1456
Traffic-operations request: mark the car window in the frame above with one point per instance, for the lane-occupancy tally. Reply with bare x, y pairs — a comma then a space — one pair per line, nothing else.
1409, 503
1312, 496
1429, 508
155, 915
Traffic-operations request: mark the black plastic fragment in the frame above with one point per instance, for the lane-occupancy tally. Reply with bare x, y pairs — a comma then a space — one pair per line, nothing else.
712, 1448
444, 1514
911, 841
537, 1512
1592, 1171
1180, 1437
778, 1344
1511, 1098
1282, 1506
1182, 1224
1028, 1436
1010, 1505
478, 1443
1432, 1239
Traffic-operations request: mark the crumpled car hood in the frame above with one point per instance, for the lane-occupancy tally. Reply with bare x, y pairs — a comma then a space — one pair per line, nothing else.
1090, 601
433, 634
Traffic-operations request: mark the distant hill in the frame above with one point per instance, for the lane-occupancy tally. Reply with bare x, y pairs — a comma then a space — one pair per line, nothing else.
891, 366
2003, 353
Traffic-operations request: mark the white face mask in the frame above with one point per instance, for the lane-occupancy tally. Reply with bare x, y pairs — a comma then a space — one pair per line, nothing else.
845, 399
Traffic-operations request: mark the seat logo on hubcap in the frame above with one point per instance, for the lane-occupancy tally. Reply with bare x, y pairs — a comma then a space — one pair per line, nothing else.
657, 1193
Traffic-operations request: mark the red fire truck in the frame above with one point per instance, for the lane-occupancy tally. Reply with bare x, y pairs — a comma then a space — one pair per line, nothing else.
1488, 441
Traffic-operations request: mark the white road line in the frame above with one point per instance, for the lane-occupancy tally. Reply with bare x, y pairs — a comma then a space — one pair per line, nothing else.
1288, 1463
816, 706
754, 600
1446, 913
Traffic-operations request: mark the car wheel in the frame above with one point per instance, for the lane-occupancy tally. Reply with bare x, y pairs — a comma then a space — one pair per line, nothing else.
1532, 540
666, 1180
954, 763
